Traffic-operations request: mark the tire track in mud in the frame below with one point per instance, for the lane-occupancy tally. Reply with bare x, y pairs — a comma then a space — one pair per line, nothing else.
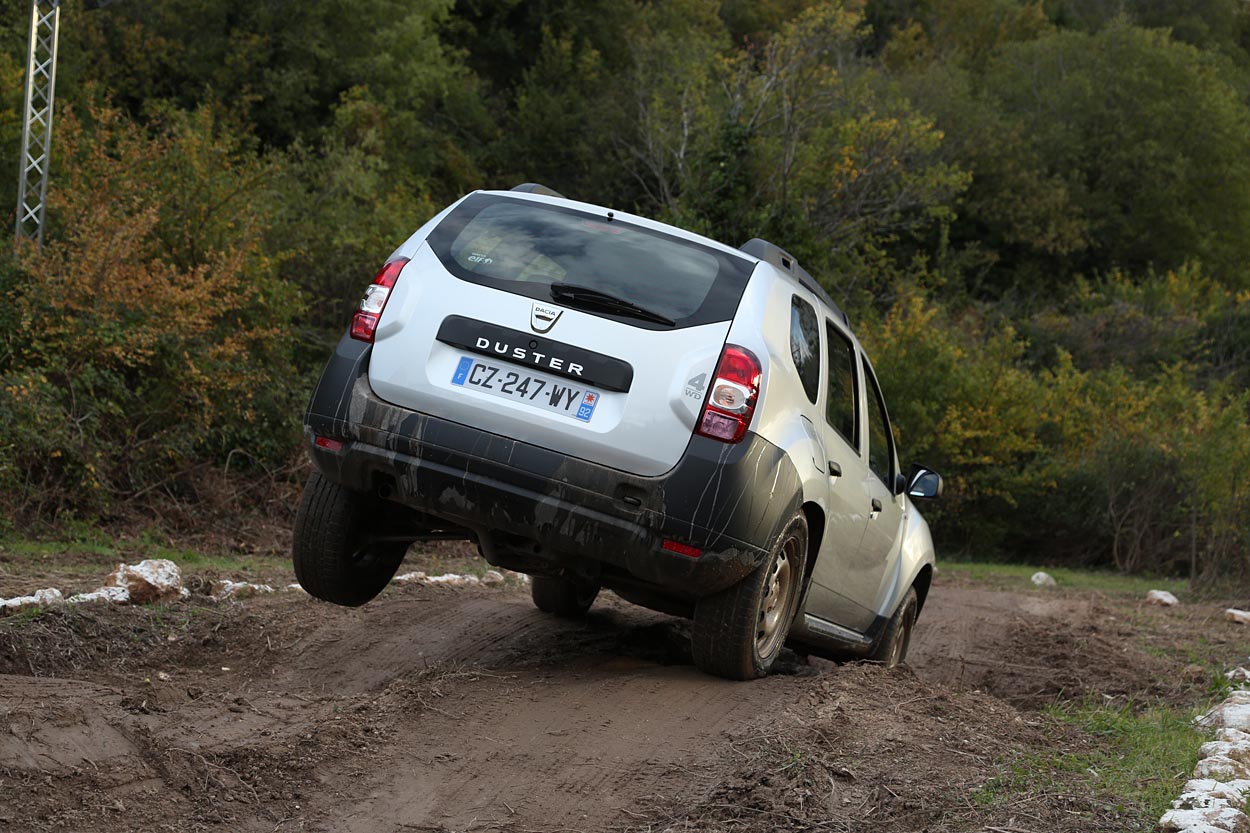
964, 637
534, 722
547, 751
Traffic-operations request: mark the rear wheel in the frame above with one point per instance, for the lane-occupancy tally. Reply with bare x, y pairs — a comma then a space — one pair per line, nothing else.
891, 648
739, 632
561, 596
334, 558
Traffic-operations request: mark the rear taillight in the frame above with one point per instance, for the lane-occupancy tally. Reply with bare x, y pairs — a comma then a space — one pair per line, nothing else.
732, 395
365, 321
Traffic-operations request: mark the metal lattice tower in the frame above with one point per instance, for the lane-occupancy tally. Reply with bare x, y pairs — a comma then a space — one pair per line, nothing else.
32, 185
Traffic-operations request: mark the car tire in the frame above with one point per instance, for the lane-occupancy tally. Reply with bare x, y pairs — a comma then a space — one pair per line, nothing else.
561, 596
892, 645
738, 633
333, 558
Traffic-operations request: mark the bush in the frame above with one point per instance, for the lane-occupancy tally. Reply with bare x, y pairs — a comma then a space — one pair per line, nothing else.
149, 334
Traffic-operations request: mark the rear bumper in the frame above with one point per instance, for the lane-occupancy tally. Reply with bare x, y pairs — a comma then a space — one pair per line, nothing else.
534, 509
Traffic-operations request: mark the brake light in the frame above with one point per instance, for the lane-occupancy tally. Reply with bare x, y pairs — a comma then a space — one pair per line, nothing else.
731, 396
365, 320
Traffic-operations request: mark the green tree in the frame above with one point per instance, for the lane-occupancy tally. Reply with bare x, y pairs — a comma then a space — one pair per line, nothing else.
1123, 149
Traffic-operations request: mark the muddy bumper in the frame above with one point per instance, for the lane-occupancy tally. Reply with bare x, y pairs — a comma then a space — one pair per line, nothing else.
542, 511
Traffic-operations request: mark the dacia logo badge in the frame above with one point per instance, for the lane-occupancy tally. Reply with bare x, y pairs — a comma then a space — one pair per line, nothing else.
542, 319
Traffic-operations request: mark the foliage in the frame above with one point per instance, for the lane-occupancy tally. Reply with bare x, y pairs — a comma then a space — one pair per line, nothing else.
1122, 149
1123, 750
150, 329
1037, 215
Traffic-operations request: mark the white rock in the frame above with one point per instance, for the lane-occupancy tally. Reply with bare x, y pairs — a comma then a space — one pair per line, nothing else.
1221, 768
1238, 675
151, 580
1241, 617
1232, 793
1232, 735
1199, 801
1233, 713
414, 576
1218, 819
40, 598
454, 579
296, 586
1041, 579
1238, 750
115, 595
1161, 597
492, 577
227, 589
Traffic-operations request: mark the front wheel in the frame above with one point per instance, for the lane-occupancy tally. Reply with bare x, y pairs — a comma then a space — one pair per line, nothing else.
739, 632
332, 553
891, 647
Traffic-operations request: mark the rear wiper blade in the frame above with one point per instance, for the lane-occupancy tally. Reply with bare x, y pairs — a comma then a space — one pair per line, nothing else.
584, 296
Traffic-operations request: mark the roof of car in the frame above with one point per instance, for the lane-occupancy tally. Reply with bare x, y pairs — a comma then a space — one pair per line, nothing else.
786, 262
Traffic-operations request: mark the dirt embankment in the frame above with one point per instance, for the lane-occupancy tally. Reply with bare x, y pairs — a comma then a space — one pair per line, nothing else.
457, 709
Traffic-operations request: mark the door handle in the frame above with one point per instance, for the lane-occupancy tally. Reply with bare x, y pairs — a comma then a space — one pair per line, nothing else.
876, 509
835, 470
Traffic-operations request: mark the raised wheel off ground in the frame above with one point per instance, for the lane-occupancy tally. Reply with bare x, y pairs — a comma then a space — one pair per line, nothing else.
334, 558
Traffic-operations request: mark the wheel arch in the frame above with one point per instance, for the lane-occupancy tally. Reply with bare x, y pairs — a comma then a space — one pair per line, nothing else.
815, 517
922, 582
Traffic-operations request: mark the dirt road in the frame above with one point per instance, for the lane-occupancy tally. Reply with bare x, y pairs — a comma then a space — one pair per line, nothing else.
456, 709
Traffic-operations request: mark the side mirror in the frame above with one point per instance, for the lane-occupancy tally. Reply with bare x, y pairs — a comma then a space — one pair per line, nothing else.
923, 483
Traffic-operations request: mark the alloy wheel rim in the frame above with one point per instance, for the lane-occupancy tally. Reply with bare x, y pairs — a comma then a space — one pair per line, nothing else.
774, 606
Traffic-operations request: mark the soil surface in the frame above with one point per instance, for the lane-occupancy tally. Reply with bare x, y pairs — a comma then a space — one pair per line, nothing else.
439, 708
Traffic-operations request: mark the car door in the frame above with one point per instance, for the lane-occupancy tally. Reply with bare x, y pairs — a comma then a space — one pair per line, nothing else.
866, 575
830, 597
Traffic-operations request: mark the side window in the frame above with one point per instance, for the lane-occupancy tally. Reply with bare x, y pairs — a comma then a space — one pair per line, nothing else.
805, 345
880, 458
840, 407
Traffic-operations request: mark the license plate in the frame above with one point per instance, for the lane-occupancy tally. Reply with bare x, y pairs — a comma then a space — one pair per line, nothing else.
538, 390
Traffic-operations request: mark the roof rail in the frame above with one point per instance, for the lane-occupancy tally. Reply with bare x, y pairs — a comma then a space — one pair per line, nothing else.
535, 188
786, 262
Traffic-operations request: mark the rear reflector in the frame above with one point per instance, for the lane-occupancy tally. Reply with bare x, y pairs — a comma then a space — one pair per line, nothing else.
732, 395
329, 444
680, 548
365, 321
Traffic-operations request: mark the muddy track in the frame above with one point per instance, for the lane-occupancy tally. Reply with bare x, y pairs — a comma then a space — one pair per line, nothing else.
458, 709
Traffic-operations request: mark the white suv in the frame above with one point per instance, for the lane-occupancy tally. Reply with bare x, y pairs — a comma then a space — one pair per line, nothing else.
601, 400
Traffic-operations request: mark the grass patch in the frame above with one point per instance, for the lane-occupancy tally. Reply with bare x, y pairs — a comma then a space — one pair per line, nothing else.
1134, 761
89, 556
1016, 577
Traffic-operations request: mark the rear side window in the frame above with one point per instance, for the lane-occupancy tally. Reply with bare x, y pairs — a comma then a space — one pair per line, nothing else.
880, 456
526, 248
805, 345
840, 404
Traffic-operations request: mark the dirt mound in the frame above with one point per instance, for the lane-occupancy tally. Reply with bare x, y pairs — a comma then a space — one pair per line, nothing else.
866, 749
438, 708
1030, 650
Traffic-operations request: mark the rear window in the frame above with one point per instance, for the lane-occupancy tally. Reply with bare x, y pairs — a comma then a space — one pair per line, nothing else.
526, 248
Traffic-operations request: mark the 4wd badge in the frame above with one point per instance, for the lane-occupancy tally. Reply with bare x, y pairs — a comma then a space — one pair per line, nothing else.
542, 319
